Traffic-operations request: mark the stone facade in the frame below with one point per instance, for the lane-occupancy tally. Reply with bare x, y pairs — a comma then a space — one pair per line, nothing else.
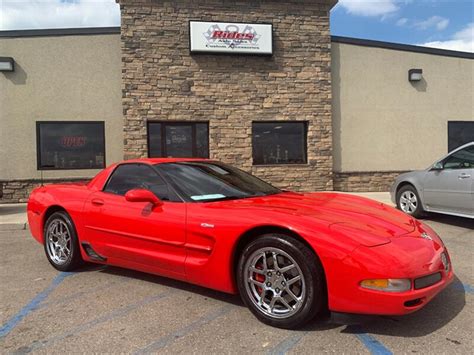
13, 191
370, 181
162, 81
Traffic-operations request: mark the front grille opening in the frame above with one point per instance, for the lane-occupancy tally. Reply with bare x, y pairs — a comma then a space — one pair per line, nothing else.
413, 303
427, 281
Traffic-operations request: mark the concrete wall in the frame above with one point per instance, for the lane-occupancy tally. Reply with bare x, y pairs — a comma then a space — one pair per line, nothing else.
64, 78
382, 122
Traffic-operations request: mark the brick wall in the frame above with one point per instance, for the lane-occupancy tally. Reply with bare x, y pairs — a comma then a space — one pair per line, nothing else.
162, 81
371, 181
13, 191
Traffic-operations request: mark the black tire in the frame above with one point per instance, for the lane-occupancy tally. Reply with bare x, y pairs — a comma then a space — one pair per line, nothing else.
313, 299
74, 258
402, 193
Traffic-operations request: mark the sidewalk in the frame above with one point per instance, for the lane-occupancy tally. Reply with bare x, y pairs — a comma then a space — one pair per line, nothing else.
13, 215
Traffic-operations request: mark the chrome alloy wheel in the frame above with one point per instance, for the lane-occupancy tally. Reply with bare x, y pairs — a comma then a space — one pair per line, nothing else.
58, 241
274, 282
408, 202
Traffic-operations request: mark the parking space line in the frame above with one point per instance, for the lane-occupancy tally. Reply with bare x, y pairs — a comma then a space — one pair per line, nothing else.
373, 345
167, 339
34, 304
79, 294
467, 288
103, 319
287, 344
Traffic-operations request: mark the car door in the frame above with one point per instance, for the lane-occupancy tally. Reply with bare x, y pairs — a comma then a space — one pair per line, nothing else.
137, 234
449, 187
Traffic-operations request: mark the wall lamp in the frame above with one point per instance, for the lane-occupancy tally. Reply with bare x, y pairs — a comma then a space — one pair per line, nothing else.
415, 75
7, 64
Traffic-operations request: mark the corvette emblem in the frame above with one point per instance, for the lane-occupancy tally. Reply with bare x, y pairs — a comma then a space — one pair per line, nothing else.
426, 236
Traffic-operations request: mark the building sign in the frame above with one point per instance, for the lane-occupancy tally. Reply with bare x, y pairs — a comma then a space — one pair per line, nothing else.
230, 38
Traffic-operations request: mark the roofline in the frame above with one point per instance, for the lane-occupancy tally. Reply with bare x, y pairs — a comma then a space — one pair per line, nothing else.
87, 31
78, 31
401, 47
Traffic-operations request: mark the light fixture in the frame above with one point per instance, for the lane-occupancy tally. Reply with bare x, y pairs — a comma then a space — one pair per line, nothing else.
7, 64
415, 75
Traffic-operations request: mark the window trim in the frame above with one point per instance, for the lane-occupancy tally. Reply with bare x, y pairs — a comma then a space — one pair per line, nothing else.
177, 123
38, 144
305, 143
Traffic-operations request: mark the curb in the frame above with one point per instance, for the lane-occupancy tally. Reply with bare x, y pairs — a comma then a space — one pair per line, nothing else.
13, 226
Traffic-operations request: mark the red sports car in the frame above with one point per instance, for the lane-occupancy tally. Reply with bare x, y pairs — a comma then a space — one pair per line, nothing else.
290, 256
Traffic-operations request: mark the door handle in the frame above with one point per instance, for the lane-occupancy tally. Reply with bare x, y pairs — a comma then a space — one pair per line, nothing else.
97, 202
464, 176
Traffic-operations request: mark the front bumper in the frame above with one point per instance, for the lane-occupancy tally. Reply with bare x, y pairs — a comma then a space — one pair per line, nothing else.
409, 257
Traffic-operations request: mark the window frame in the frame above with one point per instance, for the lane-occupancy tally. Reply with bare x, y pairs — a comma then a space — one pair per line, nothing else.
455, 122
305, 142
38, 144
177, 123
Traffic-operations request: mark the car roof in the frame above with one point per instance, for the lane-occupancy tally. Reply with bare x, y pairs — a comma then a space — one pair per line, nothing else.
161, 160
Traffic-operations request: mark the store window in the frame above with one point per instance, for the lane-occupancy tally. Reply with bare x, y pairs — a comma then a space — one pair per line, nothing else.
70, 145
279, 142
178, 139
460, 133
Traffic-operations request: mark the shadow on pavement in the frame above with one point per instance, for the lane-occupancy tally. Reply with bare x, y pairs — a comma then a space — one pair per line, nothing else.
435, 315
181, 285
461, 222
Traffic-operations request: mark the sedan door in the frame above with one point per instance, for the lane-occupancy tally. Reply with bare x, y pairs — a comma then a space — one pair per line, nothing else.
449, 187
137, 234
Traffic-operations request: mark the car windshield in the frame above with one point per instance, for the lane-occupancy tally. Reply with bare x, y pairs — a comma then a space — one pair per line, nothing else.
204, 181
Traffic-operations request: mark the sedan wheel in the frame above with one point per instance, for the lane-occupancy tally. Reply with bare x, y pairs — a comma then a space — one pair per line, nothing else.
280, 279
408, 201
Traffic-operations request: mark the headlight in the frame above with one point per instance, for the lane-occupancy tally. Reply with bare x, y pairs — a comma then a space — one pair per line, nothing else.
387, 285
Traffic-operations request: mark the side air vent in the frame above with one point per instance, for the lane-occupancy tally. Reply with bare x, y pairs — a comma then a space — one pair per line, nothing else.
92, 253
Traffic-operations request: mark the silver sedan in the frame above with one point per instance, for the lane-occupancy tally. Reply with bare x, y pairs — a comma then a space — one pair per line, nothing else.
446, 187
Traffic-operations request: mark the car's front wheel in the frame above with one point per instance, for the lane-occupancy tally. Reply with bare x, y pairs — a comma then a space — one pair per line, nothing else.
409, 202
281, 281
60, 242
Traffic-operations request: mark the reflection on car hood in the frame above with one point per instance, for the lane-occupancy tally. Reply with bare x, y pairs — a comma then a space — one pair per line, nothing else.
353, 212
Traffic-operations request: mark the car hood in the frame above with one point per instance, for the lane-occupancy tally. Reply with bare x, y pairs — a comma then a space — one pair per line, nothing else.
369, 221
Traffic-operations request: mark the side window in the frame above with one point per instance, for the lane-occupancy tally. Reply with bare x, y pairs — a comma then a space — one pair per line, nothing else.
462, 159
136, 176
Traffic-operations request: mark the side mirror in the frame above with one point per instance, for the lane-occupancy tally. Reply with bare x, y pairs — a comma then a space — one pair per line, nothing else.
142, 195
437, 166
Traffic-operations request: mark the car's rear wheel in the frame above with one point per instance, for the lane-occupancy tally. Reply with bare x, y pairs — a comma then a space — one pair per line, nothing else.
409, 202
60, 242
281, 281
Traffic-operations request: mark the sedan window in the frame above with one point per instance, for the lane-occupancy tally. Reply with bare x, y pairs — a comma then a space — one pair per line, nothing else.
462, 159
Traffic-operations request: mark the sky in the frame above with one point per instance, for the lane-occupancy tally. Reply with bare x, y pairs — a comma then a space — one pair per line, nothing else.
447, 24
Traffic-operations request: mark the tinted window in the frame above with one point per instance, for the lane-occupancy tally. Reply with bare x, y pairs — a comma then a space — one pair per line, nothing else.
462, 159
136, 176
212, 181
70, 145
279, 142
459, 133
178, 139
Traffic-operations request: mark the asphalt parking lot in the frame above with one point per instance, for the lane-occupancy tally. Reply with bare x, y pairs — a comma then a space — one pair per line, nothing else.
107, 309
